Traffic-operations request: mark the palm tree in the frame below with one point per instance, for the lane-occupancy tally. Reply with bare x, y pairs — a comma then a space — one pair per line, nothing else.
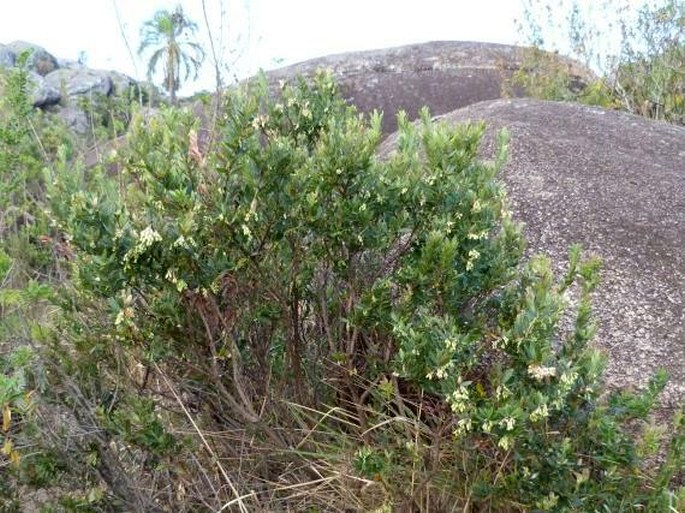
168, 33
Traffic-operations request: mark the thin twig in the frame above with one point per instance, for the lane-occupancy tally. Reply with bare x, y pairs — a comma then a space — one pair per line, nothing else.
238, 499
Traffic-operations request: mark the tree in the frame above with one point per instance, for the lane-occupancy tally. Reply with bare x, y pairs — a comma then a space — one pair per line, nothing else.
168, 32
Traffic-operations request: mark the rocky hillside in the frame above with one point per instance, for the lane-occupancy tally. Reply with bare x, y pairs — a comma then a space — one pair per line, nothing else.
444, 75
60, 85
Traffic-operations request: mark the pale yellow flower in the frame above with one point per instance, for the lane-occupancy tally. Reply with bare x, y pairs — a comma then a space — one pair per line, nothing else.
539, 372
541, 412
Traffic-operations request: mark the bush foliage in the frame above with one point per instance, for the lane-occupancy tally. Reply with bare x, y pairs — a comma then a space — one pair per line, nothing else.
292, 322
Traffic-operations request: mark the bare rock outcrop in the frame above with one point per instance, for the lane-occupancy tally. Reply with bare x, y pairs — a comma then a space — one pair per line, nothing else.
7, 57
443, 75
42, 93
615, 183
83, 81
74, 119
58, 84
40, 60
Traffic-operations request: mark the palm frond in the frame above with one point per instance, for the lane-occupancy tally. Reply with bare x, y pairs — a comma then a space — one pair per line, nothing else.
152, 65
167, 33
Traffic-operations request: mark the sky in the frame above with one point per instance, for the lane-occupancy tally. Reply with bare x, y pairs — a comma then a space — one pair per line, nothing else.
272, 32
253, 34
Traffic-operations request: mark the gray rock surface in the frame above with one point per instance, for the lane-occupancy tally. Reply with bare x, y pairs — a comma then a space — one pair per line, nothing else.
75, 119
443, 75
42, 94
120, 82
70, 64
41, 61
7, 57
55, 80
616, 184
80, 81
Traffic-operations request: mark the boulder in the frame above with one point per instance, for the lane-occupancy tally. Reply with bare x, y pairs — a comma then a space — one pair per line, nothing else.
40, 60
75, 119
55, 80
7, 57
615, 183
121, 83
42, 94
80, 81
443, 75
70, 64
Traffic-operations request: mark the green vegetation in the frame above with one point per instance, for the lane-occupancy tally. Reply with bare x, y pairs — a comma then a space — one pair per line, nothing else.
167, 33
291, 322
644, 74
25, 267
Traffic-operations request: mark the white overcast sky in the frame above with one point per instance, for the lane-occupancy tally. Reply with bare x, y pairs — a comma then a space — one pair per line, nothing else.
272, 31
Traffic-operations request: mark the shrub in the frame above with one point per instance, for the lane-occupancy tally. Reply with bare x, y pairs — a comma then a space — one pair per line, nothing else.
294, 323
